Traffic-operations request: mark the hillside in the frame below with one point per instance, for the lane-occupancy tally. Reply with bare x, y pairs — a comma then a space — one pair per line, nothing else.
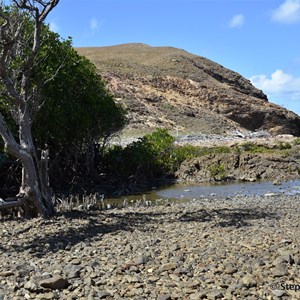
169, 87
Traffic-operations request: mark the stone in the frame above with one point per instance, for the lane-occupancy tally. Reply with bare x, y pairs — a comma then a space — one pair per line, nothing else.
46, 296
103, 294
198, 296
168, 267
249, 281
72, 271
163, 297
75, 262
297, 260
278, 293
280, 270
6, 273
215, 294
230, 270
31, 286
54, 283
222, 266
139, 260
287, 257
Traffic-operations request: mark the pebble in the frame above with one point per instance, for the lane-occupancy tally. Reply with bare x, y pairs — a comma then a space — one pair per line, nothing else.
280, 270
203, 249
248, 281
54, 283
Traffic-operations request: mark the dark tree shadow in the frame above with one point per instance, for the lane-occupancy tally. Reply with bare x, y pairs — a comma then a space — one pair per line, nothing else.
228, 217
129, 221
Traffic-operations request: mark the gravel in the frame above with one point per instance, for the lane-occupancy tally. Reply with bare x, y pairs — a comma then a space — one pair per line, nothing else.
214, 248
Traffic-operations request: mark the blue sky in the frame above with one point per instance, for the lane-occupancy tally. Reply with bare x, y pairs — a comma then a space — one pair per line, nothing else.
257, 38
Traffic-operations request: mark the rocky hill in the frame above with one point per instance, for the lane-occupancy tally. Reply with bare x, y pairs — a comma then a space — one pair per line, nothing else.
169, 87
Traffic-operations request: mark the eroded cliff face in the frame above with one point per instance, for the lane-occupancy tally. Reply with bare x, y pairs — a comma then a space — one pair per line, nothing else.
169, 87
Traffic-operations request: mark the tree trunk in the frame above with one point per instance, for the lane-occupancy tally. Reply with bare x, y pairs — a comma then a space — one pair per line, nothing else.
17, 61
35, 184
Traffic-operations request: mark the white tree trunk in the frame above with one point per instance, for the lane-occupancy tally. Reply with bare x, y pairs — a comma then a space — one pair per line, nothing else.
35, 185
23, 99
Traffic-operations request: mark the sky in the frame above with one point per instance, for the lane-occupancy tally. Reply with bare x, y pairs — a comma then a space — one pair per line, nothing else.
257, 38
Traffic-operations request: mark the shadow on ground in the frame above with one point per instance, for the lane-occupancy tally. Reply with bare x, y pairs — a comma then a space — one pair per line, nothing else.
71, 228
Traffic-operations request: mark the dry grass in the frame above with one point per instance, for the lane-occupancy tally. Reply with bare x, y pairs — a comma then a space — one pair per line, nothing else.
194, 94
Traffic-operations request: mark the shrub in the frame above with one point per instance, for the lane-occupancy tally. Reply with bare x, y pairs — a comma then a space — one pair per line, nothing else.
296, 141
217, 171
253, 148
284, 145
150, 156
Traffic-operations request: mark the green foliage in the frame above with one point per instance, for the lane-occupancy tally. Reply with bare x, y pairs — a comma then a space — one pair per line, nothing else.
217, 171
186, 152
296, 141
76, 110
155, 155
77, 106
253, 148
150, 156
284, 145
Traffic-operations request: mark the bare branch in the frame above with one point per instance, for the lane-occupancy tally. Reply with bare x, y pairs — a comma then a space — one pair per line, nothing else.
10, 143
41, 11
12, 203
17, 61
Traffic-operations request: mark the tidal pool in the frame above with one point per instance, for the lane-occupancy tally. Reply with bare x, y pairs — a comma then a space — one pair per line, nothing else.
229, 189
186, 192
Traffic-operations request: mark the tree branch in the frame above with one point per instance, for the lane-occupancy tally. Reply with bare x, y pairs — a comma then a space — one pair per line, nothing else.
10, 143
13, 202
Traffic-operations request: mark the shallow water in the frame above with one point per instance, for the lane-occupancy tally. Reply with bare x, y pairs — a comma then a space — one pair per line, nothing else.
187, 192
229, 190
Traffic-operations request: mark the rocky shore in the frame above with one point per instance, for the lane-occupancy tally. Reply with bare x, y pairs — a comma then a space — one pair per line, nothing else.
233, 248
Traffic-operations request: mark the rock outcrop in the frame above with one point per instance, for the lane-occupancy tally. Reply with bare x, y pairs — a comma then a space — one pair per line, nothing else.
244, 166
169, 87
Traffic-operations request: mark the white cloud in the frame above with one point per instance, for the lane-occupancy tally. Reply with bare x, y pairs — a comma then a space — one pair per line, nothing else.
94, 24
281, 88
287, 12
54, 27
237, 21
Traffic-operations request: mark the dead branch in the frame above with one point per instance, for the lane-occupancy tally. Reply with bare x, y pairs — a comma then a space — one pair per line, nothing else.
12, 203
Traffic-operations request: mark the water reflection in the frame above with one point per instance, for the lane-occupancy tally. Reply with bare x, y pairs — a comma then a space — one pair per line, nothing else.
230, 190
187, 192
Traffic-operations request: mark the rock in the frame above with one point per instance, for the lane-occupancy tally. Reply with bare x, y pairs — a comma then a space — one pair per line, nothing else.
249, 281
196, 82
103, 294
237, 260
287, 257
75, 262
198, 296
163, 297
168, 267
140, 260
251, 165
215, 294
297, 260
6, 273
31, 286
72, 271
3, 294
230, 270
278, 293
180, 271
46, 296
280, 270
54, 283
